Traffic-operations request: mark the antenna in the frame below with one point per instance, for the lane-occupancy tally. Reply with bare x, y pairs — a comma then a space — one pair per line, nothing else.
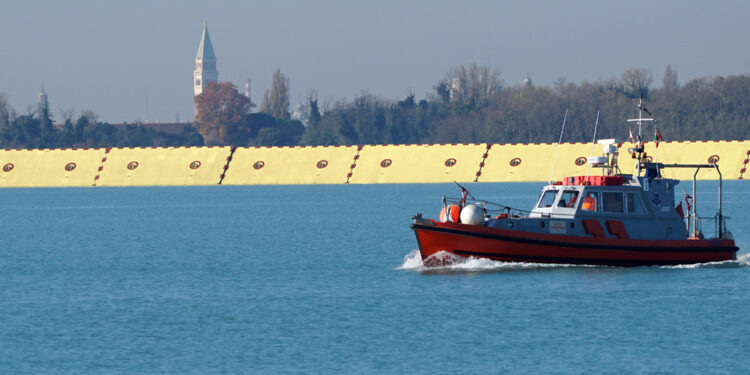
557, 152
640, 120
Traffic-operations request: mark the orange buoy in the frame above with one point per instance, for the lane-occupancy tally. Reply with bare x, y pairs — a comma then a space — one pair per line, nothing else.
450, 213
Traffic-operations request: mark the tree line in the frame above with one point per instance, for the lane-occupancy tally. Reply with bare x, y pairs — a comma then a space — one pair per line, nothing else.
477, 111
35, 130
471, 104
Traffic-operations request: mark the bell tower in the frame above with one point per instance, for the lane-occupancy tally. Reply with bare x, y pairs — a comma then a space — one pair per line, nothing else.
205, 63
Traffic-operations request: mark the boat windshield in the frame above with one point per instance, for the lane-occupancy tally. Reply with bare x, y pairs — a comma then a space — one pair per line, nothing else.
547, 199
568, 199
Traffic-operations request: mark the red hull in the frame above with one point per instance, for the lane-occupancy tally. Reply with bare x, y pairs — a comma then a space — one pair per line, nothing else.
515, 246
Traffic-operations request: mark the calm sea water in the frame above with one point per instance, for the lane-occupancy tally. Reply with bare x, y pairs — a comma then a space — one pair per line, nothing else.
324, 279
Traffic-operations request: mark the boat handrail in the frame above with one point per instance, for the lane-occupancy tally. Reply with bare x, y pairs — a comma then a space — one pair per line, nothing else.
683, 165
500, 207
693, 216
715, 219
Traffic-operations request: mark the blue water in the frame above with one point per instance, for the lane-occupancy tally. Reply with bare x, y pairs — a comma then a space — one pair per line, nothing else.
324, 279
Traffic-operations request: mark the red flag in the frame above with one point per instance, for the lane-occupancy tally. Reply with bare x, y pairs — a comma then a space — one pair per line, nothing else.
631, 139
657, 137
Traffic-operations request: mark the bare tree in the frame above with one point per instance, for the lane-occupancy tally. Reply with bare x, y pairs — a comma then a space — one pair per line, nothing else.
670, 79
5, 112
635, 82
68, 114
473, 85
90, 115
276, 99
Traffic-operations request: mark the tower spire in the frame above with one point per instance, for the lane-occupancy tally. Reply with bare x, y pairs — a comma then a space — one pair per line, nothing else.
205, 63
205, 48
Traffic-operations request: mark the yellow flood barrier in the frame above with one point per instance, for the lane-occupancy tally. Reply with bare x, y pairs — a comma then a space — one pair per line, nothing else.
535, 162
729, 155
290, 165
163, 166
49, 168
350, 164
418, 163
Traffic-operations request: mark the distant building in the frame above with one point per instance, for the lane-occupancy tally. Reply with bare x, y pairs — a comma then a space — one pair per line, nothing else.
527, 81
302, 114
42, 102
456, 90
205, 63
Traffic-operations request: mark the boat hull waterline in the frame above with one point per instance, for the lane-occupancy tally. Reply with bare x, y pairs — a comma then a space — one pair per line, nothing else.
514, 246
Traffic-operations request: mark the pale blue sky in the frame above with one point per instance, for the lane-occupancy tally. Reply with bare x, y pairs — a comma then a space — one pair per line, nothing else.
109, 56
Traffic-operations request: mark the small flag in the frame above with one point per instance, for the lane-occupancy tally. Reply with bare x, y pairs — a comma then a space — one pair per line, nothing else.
657, 137
680, 211
631, 139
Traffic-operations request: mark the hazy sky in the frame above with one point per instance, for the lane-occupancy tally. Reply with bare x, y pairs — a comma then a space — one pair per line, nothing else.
109, 57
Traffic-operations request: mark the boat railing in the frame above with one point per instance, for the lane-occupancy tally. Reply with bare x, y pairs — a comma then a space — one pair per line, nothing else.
491, 209
713, 227
693, 220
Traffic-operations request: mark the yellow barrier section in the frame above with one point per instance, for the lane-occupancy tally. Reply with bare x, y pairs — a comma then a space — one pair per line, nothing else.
535, 162
290, 165
729, 155
163, 166
49, 168
745, 165
418, 163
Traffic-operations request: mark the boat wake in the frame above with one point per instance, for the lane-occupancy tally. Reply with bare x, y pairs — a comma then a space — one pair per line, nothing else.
742, 261
444, 261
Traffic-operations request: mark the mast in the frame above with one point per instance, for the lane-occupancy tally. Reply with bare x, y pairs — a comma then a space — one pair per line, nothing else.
640, 120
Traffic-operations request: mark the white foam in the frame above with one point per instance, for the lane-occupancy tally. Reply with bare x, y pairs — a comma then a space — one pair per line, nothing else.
445, 261
743, 260
412, 261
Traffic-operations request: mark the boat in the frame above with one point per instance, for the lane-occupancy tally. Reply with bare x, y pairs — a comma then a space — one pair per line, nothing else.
610, 219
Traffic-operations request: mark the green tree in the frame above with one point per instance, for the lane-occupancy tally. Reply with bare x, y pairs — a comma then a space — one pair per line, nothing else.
443, 92
312, 101
67, 137
47, 133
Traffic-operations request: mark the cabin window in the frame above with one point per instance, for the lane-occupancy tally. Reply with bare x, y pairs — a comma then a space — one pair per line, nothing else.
612, 202
590, 202
568, 199
635, 205
547, 199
